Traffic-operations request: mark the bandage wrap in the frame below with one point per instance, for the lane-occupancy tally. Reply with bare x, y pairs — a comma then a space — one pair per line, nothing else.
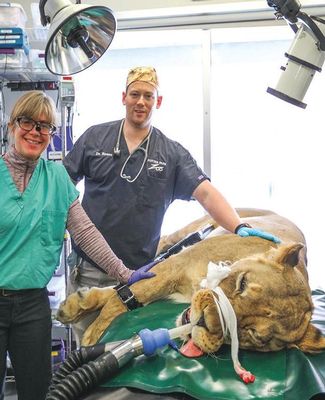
216, 273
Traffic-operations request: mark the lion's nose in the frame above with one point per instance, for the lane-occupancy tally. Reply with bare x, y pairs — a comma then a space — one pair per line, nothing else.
201, 322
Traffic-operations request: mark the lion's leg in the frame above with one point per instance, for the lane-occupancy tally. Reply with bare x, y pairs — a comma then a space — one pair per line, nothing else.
169, 274
81, 303
112, 308
145, 291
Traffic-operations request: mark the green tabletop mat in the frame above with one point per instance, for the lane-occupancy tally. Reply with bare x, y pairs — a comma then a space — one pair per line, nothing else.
283, 375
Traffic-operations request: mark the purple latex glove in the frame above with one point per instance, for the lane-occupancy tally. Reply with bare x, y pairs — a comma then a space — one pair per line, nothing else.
142, 273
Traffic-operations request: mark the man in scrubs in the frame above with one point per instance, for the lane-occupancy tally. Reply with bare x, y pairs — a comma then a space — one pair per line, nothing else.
132, 173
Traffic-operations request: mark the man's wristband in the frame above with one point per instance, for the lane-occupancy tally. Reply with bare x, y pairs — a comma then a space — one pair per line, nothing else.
242, 226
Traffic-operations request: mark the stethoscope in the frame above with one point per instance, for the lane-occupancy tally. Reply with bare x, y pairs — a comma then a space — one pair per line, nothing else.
117, 153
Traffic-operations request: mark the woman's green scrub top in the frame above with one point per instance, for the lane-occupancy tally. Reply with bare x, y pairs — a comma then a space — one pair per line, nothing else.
32, 225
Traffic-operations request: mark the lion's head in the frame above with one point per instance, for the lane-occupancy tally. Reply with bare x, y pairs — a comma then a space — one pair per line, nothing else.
271, 300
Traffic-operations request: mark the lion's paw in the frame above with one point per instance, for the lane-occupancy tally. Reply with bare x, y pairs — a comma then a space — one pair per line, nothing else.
80, 303
70, 309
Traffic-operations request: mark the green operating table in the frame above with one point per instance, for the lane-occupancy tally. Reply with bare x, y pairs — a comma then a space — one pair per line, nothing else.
283, 375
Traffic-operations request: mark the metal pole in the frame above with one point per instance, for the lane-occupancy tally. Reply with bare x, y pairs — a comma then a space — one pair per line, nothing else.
66, 96
66, 235
2, 121
206, 69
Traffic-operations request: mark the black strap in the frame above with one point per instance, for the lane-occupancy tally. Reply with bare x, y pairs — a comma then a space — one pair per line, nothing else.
127, 297
241, 226
189, 240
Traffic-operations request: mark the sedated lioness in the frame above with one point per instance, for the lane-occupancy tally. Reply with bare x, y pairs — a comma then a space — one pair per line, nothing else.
267, 287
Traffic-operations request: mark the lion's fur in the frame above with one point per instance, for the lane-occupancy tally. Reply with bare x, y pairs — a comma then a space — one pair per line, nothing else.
267, 286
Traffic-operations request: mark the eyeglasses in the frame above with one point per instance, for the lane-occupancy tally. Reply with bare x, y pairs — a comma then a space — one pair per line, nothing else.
27, 124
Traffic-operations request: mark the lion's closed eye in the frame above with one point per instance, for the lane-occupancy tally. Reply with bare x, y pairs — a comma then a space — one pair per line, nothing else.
241, 283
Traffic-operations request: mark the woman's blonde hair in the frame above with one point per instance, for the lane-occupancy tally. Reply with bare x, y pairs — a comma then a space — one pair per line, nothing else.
32, 105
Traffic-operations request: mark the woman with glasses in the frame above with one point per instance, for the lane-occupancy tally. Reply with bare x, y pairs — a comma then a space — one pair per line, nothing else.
38, 202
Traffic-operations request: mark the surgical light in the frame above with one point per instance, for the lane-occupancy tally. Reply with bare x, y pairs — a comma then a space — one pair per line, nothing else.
305, 56
79, 34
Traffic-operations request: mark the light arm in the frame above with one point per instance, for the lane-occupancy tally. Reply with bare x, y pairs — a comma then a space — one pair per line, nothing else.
217, 206
223, 213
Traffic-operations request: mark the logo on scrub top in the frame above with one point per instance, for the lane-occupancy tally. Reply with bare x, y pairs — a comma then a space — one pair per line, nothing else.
157, 166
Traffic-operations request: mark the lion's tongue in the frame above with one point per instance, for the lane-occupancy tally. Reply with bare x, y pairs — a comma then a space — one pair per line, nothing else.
190, 350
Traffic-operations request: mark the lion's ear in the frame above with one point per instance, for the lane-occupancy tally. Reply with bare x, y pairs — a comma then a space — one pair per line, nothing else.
289, 255
312, 341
